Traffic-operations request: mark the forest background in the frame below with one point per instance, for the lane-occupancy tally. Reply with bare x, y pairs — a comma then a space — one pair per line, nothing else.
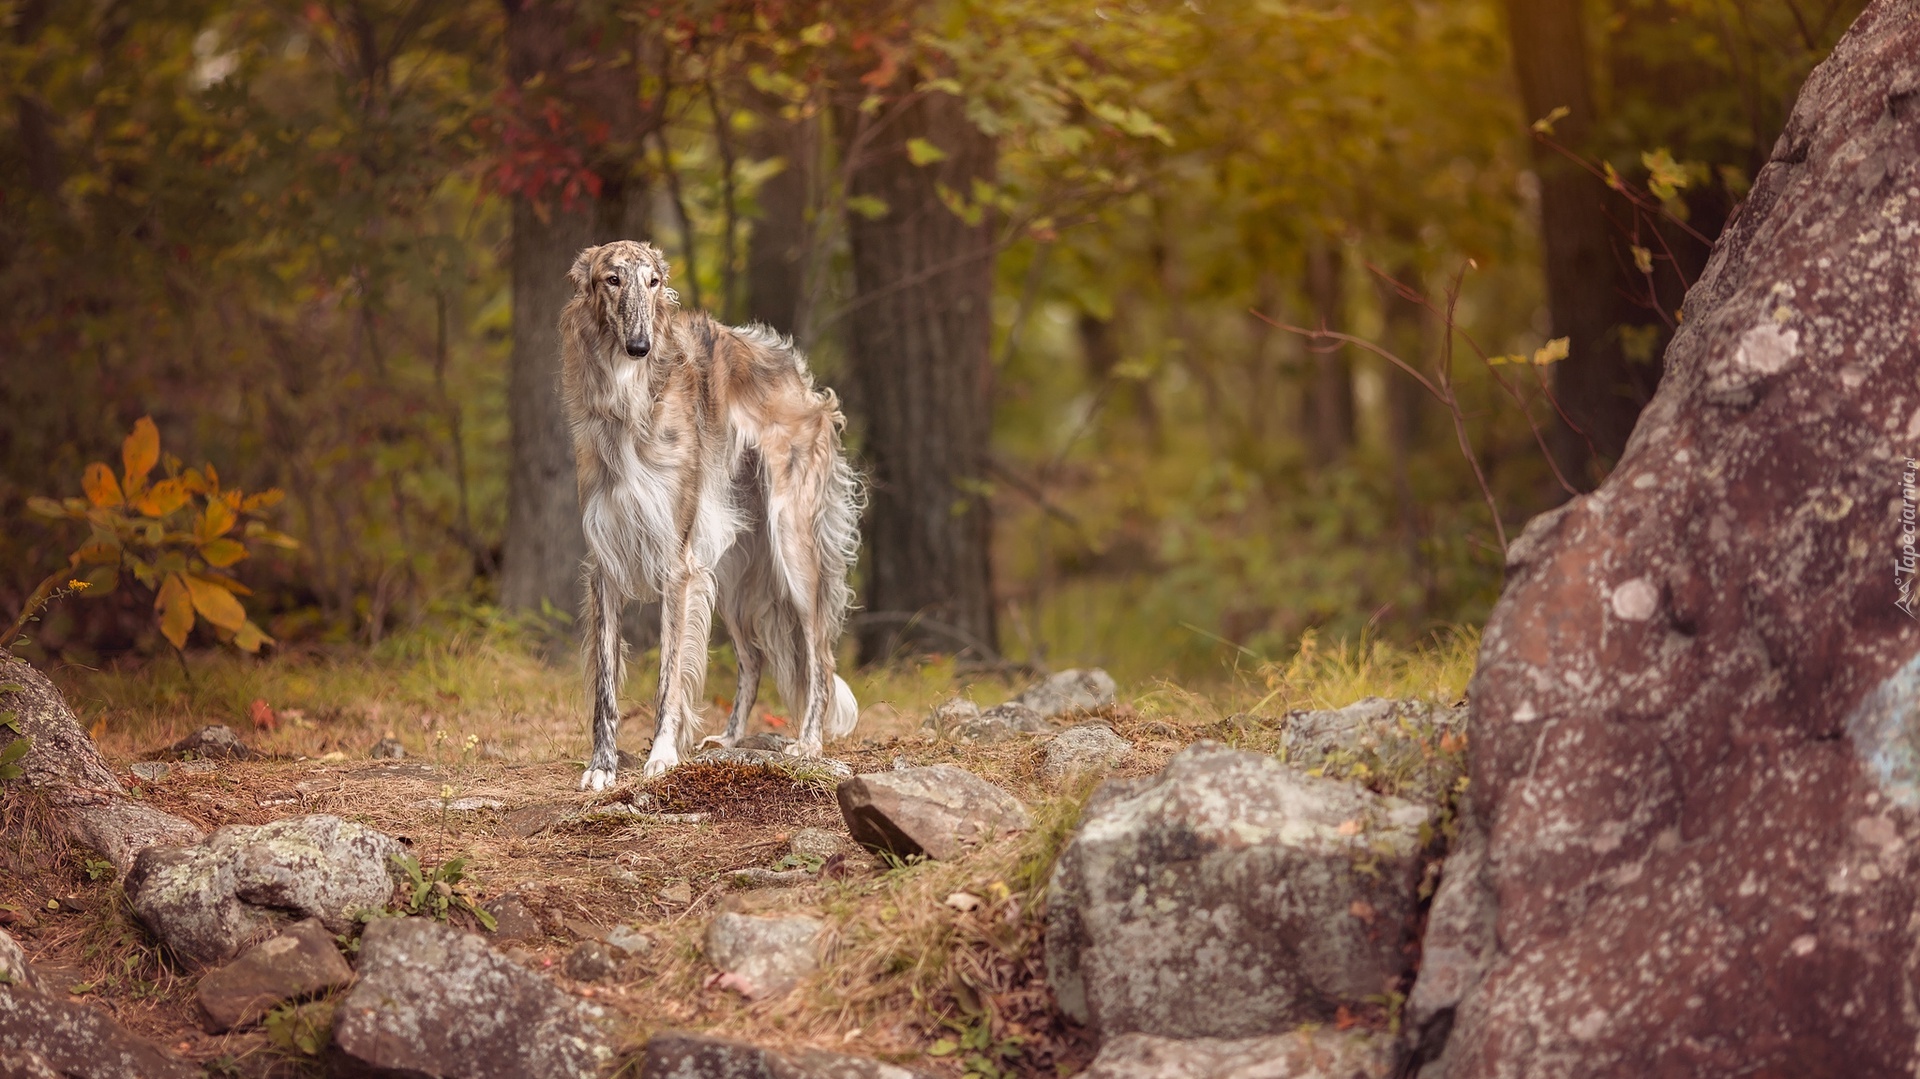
1031, 244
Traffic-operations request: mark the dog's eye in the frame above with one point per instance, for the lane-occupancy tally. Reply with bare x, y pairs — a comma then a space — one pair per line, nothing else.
613, 279
653, 282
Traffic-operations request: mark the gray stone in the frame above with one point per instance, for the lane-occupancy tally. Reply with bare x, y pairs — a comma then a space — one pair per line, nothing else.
47, 1035
818, 843
1459, 942
1304, 1054
1001, 723
1078, 751
208, 902
434, 1001
800, 767
513, 921
1230, 897
149, 771
591, 961
627, 940
87, 802
14, 968
213, 742
300, 962
388, 749
764, 955
766, 740
673, 1054
1068, 691
938, 811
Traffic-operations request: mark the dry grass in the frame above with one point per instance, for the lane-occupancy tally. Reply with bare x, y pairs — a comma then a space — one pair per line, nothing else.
482, 718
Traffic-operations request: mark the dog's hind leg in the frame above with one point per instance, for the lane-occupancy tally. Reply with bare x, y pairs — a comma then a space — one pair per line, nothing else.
746, 651
604, 653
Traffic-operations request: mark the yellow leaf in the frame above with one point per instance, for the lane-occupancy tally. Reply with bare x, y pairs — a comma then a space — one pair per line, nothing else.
266, 499
922, 152
1550, 352
175, 604
1642, 258
217, 522
163, 498
1544, 125
222, 553
215, 603
141, 451
96, 552
102, 489
248, 638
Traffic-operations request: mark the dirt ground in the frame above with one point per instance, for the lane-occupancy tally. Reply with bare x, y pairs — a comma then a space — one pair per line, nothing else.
906, 971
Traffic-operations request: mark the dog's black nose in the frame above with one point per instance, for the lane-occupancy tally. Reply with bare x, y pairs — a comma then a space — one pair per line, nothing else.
637, 349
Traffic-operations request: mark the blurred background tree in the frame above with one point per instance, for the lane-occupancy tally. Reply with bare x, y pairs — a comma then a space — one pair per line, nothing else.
323, 245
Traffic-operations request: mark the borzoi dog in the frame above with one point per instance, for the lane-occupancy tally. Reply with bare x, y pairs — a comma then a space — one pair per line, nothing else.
710, 470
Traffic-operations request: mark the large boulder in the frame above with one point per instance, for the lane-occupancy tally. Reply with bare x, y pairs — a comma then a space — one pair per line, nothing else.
46, 1034
90, 806
245, 882
1695, 716
433, 1001
1303, 1054
938, 811
1230, 897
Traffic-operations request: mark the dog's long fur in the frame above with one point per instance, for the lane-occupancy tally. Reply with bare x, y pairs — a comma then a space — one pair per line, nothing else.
710, 471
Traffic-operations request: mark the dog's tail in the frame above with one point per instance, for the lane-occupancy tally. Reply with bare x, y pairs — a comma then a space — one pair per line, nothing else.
843, 712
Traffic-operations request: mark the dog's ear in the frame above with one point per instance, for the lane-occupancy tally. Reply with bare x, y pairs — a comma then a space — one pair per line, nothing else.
582, 267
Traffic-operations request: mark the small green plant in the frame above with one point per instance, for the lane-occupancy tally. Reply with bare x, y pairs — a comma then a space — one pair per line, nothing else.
98, 869
979, 1052
438, 893
176, 535
17, 748
300, 1029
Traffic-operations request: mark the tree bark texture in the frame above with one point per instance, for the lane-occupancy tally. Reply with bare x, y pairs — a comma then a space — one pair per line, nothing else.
919, 337
1593, 384
1332, 398
778, 249
544, 544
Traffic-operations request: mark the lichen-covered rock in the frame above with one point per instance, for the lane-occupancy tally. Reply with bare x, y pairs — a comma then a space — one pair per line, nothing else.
1303, 1054
1068, 691
778, 761
1698, 700
90, 805
213, 742
938, 811
1393, 738
1229, 897
1459, 941
44, 1034
674, 1054
434, 1001
764, 955
299, 962
1079, 751
208, 902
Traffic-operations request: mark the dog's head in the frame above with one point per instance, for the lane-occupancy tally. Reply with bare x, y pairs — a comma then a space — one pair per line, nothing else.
624, 286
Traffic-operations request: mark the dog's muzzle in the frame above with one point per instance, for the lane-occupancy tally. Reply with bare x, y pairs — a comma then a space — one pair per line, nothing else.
638, 347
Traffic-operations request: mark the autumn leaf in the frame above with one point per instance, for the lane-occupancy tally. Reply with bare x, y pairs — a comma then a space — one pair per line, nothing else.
141, 451
163, 498
248, 638
175, 604
221, 553
214, 603
922, 152
217, 522
102, 489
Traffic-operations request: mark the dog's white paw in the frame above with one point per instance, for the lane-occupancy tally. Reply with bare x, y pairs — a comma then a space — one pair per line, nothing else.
597, 779
719, 740
659, 766
804, 749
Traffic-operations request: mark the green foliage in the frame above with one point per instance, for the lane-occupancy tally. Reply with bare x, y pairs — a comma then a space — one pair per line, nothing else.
177, 536
19, 746
438, 893
300, 1029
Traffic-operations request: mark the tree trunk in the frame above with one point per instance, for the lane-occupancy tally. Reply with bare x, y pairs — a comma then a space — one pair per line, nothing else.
919, 336
1332, 398
778, 250
544, 544
1593, 382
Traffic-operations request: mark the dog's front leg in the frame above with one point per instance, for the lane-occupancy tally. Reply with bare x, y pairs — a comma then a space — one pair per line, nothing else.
686, 618
602, 647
